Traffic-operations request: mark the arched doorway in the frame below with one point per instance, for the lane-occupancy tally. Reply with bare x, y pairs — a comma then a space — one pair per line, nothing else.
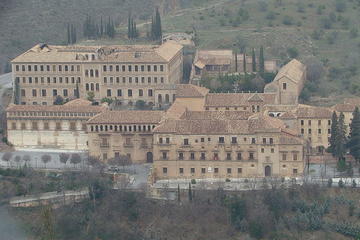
149, 157
267, 171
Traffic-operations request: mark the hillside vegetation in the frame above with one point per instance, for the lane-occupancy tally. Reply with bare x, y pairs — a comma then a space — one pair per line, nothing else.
322, 33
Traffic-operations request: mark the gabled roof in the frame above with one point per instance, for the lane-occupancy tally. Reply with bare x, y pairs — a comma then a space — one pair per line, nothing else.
190, 91
216, 115
127, 117
294, 70
306, 111
345, 107
111, 53
238, 99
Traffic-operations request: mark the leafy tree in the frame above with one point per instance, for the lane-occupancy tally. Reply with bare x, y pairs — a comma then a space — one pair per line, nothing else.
140, 104
26, 159
253, 56
64, 157
107, 100
59, 100
91, 96
45, 159
238, 210
354, 141
261, 61
334, 133
17, 159
75, 159
6, 157
292, 52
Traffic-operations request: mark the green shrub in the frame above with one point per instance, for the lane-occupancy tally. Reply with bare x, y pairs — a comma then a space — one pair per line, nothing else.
193, 181
256, 230
341, 183
288, 20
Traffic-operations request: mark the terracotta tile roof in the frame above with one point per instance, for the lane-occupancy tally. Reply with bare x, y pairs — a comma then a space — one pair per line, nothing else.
345, 107
304, 111
116, 54
127, 117
213, 126
286, 139
294, 70
176, 110
238, 99
56, 108
288, 115
355, 101
190, 91
78, 102
216, 115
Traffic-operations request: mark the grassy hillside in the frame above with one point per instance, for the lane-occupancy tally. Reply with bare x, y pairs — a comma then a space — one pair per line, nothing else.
323, 33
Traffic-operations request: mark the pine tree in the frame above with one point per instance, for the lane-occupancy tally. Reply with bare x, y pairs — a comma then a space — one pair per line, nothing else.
253, 60
354, 141
334, 128
261, 62
340, 141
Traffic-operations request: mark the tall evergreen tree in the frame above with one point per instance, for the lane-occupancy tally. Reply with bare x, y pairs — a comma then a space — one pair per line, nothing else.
101, 27
129, 27
261, 61
190, 193
73, 34
334, 133
236, 61
68, 34
158, 24
244, 62
340, 141
253, 60
354, 141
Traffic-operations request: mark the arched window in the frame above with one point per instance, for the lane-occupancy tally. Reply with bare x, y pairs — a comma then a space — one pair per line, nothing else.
159, 98
96, 73
92, 87
167, 98
91, 73
87, 87
97, 87
86, 73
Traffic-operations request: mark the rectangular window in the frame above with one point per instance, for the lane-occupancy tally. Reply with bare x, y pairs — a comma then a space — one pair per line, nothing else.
203, 170
251, 156
239, 156
264, 140
129, 92
295, 171
119, 92
34, 125
167, 140
253, 140
192, 170
309, 131
46, 126
302, 122
202, 140
108, 93
34, 92
58, 126
295, 157
65, 92
164, 155
43, 92
228, 156
216, 170
284, 86
181, 170
319, 131
150, 92
13, 125
302, 131
160, 140
234, 140
165, 170
104, 68
186, 141
141, 93
72, 126
202, 156
221, 140
192, 156
228, 171
161, 68
148, 68
271, 141
181, 156
284, 156
319, 122
129, 68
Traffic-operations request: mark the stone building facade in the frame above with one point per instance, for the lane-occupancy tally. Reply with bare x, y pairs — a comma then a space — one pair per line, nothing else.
55, 127
127, 73
206, 145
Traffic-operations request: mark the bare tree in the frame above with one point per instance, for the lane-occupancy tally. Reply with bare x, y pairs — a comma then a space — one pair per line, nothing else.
26, 158
75, 159
17, 160
64, 157
45, 159
7, 157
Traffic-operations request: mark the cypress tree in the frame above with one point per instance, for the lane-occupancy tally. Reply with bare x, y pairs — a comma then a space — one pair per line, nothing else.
190, 193
178, 194
129, 27
261, 62
68, 34
77, 91
101, 27
158, 24
236, 62
340, 141
354, 142
334, 128
73, 34
244, 62
253, 60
